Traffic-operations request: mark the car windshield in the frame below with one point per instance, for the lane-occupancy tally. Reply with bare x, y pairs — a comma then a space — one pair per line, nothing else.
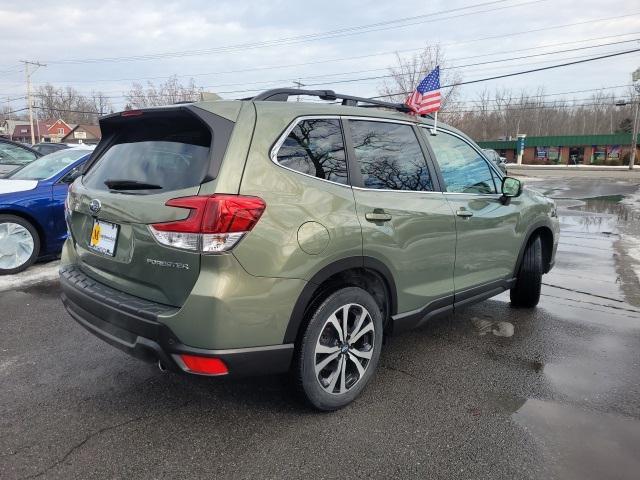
49, 165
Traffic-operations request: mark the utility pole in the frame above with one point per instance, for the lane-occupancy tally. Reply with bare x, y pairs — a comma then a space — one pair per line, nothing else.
29, 97
635, 77
299, 85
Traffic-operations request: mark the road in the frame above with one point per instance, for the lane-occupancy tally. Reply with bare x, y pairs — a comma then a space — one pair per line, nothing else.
557, 399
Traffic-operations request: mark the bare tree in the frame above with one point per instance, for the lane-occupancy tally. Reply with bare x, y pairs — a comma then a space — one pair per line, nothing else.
67, 103
504, 114
407, 73
169, 92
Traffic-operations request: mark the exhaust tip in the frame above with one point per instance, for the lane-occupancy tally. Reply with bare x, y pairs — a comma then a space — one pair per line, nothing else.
161, 366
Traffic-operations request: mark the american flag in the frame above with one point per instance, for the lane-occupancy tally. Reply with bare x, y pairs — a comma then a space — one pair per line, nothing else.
426, 98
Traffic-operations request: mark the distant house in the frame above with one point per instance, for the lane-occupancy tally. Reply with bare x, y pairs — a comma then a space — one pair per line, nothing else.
8, 126
89, 134
22, 132
58, 130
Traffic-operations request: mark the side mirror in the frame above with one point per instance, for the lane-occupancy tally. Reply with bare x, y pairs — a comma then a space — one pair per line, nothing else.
511, 187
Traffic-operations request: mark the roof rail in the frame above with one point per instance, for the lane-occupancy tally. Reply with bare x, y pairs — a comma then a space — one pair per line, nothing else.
283, 94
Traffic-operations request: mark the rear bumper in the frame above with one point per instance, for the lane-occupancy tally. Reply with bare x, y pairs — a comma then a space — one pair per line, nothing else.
131, 324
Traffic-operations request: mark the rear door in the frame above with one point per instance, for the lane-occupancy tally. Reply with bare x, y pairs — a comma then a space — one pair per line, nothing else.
406, 222
488, 242
142, 162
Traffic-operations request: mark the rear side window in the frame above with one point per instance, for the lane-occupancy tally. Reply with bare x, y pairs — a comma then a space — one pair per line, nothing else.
389, 156
315, 147
159, 153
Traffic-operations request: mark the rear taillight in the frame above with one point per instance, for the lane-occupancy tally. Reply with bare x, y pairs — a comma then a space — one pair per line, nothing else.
215, 223
202, 365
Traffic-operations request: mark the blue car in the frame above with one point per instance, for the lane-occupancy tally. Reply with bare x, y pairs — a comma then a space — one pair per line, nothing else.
32, 223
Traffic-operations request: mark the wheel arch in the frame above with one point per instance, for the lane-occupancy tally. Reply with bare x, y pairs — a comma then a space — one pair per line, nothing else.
365, 272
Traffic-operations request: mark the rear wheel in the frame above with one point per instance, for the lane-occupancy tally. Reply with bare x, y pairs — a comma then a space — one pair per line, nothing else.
19, 244
340, 349
526, 292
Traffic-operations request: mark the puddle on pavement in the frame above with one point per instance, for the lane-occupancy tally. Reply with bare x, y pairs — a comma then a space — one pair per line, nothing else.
47, 289
610, 218
529, 364
582, 444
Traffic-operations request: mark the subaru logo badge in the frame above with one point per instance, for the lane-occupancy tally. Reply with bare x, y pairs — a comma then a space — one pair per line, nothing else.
95, 205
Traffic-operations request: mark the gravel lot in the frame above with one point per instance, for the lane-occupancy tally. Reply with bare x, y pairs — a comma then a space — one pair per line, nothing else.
558, 399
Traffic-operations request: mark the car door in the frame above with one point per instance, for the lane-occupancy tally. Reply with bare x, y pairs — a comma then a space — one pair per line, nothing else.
407, 224
487, 239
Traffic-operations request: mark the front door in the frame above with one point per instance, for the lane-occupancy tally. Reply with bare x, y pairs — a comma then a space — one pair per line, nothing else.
488, 242
406, 223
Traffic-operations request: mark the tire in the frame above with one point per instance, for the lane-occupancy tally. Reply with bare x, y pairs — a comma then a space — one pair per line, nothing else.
326, 389
19, 244
526, 292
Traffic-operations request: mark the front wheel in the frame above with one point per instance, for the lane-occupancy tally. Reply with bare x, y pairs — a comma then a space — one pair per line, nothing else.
526, 292
19, 244
340, 349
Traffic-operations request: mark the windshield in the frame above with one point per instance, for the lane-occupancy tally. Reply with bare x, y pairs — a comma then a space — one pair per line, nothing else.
49, 165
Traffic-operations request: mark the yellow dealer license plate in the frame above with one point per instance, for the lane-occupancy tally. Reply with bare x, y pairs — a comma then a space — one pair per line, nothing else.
104, 236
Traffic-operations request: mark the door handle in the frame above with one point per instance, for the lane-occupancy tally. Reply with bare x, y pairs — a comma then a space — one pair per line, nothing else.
377, 217
464, 213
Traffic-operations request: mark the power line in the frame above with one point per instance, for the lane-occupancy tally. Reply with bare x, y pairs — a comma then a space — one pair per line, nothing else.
491, 37
346, 31
276, 82
417, 49
532, 107
544, 95
540, 69
358, 57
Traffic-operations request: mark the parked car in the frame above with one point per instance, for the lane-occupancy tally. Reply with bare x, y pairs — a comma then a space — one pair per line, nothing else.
32, 199
264, 236
501, 162
46, 148
14, 155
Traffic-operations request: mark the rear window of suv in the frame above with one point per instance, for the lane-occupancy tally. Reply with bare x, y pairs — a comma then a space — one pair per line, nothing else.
161, 154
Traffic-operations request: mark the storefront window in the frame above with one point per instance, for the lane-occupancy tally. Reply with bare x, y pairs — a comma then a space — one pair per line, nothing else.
599, 154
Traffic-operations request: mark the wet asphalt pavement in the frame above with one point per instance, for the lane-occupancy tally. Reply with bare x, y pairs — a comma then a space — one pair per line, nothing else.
558, 399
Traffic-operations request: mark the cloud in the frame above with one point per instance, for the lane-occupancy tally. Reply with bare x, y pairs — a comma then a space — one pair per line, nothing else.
85, 30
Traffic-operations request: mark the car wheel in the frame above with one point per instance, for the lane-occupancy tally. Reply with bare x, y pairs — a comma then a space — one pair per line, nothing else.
526, 292
19, 244
340, 349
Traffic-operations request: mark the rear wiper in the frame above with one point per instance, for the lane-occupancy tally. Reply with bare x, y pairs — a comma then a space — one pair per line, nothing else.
130, 185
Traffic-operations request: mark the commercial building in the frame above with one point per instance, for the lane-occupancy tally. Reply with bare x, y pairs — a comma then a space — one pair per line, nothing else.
612, 149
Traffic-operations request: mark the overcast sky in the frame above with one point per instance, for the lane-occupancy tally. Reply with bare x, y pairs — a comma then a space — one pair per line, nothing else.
66, 30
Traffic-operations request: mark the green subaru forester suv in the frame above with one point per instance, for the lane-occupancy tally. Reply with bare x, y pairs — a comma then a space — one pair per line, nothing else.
264, 236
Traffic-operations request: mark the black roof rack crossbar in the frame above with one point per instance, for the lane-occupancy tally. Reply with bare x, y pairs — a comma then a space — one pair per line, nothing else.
283, 94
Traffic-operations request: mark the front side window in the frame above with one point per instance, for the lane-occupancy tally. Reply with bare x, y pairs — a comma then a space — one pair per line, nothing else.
389, 156
315, 147
463, 169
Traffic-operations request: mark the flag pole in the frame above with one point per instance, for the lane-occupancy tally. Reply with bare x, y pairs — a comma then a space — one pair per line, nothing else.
434, 130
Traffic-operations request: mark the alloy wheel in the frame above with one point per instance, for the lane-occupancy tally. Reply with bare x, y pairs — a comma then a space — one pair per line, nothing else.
16, 245
344, 348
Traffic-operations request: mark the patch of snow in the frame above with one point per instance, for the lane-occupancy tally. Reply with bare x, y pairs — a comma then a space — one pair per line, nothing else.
38, 273
13, 186
632, 247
